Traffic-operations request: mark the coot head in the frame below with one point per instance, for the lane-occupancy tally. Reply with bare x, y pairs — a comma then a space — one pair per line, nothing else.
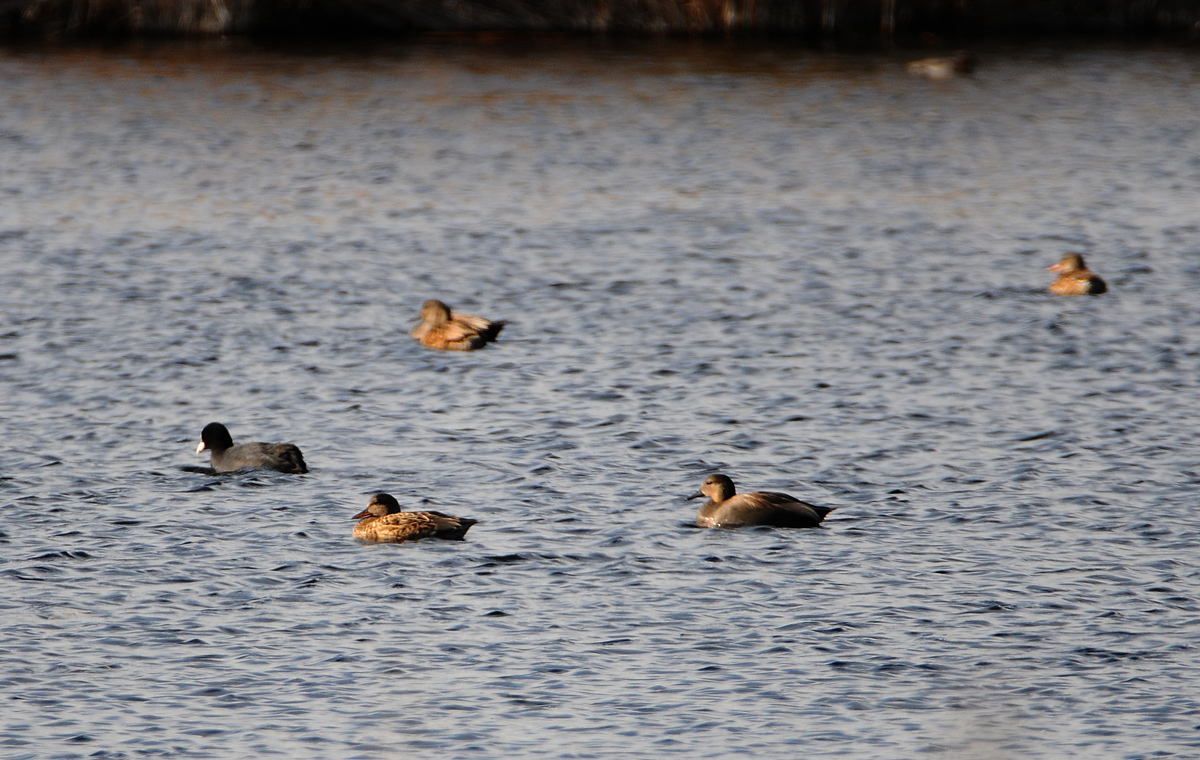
214, 437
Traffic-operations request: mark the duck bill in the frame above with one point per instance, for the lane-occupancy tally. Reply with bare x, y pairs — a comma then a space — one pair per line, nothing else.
362, 514
696, 495
200, 447
1055, 268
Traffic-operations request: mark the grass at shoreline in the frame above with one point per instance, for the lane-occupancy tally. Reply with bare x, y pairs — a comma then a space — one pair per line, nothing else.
856, 22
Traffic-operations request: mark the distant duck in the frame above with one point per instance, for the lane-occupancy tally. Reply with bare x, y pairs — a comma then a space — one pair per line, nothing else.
229, 458
726, 508
962, 62
384, 521
1074, 279
443, 329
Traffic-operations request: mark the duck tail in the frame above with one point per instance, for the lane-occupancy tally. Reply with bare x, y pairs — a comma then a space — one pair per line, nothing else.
293, 457
493, 330
822, 512
455, 528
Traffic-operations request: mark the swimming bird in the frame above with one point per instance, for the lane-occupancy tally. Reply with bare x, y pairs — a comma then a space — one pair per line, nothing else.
383, 520
449, 331
962, 62
226, 457
1074, 279
726, 508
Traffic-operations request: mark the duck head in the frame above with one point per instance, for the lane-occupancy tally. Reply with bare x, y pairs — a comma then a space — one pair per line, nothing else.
435, 312
215, 437
380, 504
1072, 262
715, 487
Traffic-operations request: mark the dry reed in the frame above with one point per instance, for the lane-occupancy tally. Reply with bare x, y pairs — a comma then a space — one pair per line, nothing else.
869, 20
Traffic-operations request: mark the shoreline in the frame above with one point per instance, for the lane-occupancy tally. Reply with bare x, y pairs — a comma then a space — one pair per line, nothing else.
860, 23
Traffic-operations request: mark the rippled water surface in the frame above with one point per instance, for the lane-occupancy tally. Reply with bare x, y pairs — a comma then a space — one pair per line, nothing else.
808, 271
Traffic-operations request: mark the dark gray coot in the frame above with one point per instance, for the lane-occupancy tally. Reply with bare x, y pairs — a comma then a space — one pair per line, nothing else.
226, 457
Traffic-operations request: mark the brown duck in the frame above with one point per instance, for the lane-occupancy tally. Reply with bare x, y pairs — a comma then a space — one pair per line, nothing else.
962, 62
449, 331
726, 508
1074, 279
384, 521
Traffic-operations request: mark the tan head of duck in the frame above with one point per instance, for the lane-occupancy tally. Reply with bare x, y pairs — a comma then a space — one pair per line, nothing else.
715, 487
435, 312
1072, 262
380, 504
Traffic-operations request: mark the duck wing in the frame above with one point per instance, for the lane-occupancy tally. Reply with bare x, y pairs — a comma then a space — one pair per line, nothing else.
470, 321
767, 508
1079, 283
402, 526
783, 498
413, 526
485, 329
449, 527
452, 336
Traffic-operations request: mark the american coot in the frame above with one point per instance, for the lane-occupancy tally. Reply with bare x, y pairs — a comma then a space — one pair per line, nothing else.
448, 331
728, 509
1074, 279
383, 520
228, 458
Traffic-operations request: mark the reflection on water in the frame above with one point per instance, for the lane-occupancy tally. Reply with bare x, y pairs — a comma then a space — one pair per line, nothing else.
813, 273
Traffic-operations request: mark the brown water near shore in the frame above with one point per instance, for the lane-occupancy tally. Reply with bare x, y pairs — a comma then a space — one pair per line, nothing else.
811, 272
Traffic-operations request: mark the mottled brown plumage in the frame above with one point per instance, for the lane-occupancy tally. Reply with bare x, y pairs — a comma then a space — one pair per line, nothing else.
726, 508
445, 330
1074, 279
384, 521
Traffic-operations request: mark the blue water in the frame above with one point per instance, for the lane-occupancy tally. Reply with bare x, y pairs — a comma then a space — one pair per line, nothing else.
810, 272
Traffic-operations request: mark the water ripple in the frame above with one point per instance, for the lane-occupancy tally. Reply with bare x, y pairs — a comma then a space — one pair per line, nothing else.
808, 271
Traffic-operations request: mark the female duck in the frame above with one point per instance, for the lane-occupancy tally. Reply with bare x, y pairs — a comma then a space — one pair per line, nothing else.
726, 508
962, 62
449, 331
384, 521
1074, 279
226, 457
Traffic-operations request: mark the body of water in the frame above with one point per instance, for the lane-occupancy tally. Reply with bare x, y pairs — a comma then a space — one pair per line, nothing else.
807, 271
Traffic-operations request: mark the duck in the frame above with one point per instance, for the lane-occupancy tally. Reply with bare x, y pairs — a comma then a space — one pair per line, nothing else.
284, 457
962, 62
446, 330
726, 508
1074, 279
384, 521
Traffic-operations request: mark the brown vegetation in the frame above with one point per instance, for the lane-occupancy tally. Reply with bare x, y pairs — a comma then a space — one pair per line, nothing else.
867, 20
